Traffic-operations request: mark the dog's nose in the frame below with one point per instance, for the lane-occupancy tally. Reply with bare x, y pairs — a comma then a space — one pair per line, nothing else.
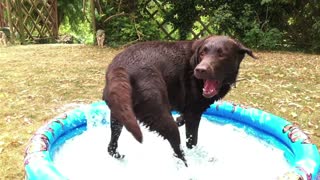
202, 69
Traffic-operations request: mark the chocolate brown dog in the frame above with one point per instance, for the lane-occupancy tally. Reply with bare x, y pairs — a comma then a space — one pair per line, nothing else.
148, 80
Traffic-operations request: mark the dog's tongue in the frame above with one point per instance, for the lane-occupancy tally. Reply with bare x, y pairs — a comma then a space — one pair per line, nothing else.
210, 88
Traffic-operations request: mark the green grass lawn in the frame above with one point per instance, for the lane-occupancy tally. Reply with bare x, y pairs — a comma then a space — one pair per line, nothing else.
37, 80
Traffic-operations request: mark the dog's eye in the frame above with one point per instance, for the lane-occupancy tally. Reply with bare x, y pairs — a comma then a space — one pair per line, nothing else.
204, 51
220, 52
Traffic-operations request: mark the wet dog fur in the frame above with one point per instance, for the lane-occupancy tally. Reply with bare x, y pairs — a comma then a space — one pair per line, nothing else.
148, 80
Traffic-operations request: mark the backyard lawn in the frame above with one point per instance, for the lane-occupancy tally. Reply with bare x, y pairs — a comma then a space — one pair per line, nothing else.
38, 81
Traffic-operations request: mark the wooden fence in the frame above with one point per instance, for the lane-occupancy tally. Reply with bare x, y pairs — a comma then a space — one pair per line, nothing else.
2, 20
31, 20
157, 9
36, 20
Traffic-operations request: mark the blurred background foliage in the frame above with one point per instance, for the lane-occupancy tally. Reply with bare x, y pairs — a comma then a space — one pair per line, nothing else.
262, 24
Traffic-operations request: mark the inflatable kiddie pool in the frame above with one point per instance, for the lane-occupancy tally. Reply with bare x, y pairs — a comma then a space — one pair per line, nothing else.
301, 154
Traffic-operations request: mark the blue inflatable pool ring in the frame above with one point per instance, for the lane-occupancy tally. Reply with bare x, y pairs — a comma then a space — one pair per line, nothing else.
302, 155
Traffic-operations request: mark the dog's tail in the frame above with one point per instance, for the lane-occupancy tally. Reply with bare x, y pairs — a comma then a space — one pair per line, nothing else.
117, 94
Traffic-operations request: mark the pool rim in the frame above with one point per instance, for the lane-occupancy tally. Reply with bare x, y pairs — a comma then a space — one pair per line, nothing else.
38, 161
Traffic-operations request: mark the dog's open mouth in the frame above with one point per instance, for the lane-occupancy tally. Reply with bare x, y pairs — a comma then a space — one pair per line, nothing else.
210, 88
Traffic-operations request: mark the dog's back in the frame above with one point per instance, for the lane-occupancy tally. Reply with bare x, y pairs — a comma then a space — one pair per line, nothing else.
154, 53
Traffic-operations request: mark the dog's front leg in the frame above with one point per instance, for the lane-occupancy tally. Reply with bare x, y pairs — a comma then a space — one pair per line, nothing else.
192, 124
180, 120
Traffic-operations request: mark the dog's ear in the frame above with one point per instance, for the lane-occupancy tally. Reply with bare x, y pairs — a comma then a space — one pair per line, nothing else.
244, 50
196, 46
248, 51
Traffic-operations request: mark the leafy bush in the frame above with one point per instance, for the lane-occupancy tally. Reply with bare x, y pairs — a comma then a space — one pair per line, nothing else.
223, 20
262, 24
316, 36
124, 24
130, 29
259, 39
82, 33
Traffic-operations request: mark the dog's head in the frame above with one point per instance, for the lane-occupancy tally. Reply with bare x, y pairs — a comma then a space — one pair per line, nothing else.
216, 61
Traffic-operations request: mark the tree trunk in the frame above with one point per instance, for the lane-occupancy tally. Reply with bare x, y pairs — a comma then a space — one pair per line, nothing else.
93, 20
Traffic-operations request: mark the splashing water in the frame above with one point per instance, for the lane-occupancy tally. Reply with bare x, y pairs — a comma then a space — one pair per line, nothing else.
224, 152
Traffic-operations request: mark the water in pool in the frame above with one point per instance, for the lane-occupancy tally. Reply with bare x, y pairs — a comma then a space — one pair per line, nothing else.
224, 152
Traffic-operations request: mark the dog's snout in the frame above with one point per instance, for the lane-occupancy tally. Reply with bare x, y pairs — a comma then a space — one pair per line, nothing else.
202, 69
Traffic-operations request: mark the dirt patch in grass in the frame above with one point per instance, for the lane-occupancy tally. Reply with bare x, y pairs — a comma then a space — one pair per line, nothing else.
37, 80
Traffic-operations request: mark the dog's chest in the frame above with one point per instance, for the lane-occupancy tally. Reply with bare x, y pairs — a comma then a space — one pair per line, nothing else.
183, 92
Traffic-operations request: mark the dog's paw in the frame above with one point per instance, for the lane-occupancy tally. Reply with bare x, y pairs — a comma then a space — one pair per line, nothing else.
182, 158
118, 156
180, 121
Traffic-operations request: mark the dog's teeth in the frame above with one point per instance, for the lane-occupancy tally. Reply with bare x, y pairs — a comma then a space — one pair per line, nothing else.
207, 92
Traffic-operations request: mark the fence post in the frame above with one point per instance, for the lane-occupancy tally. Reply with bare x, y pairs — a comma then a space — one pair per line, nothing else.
93, 20
12, 35
55, 19
20, 21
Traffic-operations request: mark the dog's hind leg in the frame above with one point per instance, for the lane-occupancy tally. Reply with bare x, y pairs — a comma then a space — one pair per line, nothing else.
116, 129
154, 111
163, 123
117, 94
169, 130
